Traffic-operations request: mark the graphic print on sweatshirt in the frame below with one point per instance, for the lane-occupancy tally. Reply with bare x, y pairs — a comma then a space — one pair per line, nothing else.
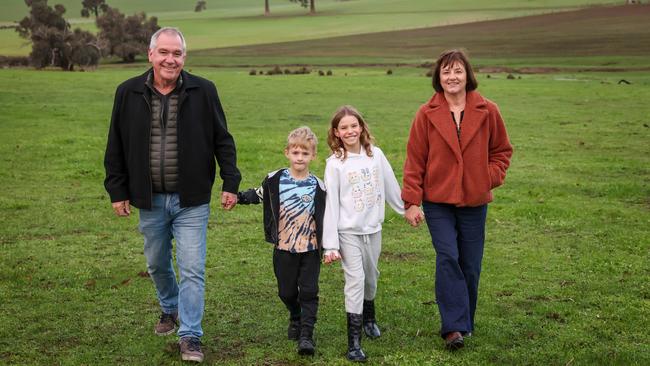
297, 226
365, 188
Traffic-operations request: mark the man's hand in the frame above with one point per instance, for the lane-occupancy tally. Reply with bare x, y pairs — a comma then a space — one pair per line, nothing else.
122, 208
228, 200
331, 256
414, 215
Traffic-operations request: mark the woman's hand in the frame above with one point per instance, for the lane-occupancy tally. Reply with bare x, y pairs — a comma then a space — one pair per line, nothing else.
414, 215
331, 256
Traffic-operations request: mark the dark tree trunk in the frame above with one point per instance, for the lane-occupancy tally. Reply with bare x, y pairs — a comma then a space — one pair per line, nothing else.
267, 11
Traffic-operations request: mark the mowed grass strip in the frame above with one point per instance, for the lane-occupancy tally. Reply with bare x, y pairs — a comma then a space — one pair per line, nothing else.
565, 277
615, 32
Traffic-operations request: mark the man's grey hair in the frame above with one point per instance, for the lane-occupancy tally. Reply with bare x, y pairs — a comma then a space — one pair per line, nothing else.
168, 30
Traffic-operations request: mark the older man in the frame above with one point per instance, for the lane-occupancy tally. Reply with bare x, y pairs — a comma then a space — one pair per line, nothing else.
166, 130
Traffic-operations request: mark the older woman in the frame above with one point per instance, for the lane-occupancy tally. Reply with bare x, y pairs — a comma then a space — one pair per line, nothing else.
458, 151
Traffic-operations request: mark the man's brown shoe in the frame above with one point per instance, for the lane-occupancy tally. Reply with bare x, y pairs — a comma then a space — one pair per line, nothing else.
166, 324
191, 349
454, 341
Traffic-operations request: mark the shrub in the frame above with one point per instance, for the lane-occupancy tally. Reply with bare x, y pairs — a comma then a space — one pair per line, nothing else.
275, 71
12, 61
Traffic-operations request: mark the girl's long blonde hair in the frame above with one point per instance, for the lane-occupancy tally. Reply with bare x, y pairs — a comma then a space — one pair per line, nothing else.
335, 143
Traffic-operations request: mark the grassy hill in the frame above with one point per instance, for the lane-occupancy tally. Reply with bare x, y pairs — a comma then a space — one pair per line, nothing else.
609, 36
229, 23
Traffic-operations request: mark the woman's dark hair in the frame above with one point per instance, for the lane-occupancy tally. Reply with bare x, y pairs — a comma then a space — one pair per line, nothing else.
448, 58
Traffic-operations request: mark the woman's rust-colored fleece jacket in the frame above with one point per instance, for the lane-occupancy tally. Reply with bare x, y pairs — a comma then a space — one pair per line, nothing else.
439, 168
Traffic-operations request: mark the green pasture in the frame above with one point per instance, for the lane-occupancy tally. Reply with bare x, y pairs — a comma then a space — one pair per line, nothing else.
230, 23
565, 275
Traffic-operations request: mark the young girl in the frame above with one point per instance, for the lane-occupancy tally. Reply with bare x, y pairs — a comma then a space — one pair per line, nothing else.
359, 180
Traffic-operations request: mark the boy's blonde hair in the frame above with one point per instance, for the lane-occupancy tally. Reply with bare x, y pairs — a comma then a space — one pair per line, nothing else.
302, 137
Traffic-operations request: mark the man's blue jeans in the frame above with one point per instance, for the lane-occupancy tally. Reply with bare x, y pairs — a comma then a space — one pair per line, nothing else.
188, 225
458, 236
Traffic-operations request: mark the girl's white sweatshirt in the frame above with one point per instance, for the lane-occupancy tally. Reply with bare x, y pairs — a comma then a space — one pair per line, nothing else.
356, 191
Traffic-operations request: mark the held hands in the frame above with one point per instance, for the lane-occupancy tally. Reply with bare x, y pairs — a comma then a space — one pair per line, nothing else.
122, 208
331, 256
228, 200
414, 215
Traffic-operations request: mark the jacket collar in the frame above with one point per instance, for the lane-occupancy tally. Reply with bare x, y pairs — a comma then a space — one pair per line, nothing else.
276, 173
439, 114
188, 81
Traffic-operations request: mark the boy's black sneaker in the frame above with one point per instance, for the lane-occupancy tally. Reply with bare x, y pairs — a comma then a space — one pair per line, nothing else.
293, 332
306, 347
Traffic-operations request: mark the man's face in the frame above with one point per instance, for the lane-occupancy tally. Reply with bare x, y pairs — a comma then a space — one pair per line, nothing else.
167, 58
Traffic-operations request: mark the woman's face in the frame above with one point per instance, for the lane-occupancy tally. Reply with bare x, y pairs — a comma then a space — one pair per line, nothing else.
453, 78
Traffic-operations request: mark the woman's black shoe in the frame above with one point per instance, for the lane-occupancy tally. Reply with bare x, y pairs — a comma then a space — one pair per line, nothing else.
454, 341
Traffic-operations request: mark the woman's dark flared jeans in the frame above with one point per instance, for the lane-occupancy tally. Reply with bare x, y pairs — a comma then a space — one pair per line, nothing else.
458, 236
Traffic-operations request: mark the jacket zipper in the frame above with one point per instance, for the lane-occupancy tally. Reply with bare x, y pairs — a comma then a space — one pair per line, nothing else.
181, 98
149, 153
275, 221
163, 138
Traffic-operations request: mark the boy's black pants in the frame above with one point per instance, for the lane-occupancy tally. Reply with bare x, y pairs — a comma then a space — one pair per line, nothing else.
297, 275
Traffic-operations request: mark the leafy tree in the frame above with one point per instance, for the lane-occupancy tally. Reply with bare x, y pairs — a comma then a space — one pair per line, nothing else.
85, 51
92, 6
125, 37
200, 5
53, 44
306, 3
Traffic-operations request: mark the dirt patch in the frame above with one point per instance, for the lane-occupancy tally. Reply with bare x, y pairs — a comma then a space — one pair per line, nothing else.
539, 298
229, 352
556, 316
399, 256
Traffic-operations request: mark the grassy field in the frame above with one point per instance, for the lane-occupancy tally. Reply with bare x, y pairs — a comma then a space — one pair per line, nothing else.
566, 275
240, 22
565, 278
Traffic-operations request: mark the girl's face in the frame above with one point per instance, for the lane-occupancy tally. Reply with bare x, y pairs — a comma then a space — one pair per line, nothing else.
453, 78
349, 131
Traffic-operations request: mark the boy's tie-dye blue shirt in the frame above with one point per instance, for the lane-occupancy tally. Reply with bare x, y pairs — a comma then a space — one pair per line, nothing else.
297, 226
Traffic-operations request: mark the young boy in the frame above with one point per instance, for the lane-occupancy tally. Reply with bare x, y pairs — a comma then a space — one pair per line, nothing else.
294, 205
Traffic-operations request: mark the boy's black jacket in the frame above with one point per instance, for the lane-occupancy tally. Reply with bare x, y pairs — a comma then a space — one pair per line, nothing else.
269, 193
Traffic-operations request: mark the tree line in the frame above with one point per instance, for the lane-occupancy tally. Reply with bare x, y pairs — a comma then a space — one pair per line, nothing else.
55, 44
